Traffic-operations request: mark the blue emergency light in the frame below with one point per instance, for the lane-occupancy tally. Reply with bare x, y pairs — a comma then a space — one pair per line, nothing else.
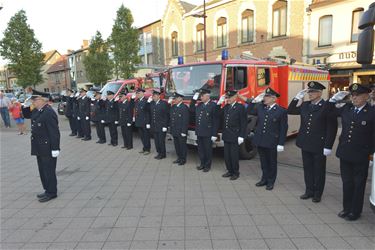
180, 60
224, 54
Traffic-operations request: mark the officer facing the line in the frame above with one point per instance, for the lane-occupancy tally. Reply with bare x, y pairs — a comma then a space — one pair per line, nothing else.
125, 119
316, 136
179, 123
142, 120
234, 129
270, 134
356, 144
159, 112
206, 125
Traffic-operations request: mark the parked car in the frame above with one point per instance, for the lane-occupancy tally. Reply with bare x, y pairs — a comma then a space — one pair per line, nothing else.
56, 97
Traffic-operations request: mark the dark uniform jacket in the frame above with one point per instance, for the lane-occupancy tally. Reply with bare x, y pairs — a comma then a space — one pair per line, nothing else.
235, 121
357, 139
159, 115
206, 118
272, 125
318, 128
45, 134
126, 110
179, 119
98, 111
69, 102
142, 113
84, 107
111, 109
75, 106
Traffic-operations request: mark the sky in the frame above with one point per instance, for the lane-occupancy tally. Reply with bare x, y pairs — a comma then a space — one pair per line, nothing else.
63, 24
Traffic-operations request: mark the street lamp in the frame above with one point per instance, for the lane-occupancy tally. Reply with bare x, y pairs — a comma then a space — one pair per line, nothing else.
204, 28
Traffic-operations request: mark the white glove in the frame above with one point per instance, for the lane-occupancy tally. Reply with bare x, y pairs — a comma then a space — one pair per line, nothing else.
55, 153
301, 94
77, 94
164, 129
78, 118
240, 140
117, 98
259, 98
134, 95
280, 148
149, 99
116, 122
92, 99
213, 138
128, 124
221, 100
339, 96
102, 121
195, 96
133, 118
170, 100
148, 126
327, 151
183, 135
87, 118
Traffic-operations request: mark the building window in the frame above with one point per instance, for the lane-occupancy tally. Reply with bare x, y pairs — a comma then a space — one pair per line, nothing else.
279, 17
325, 31
200, 37
356, 16
174, 43
247, 26
221, 40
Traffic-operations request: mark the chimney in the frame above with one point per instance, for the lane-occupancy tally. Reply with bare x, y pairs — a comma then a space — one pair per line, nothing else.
85, 44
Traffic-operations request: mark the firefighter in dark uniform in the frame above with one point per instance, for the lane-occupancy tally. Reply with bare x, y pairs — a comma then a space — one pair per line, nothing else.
234, 129
270, 134
76, 99
69, 102
84, 103
372, 95
179, 123
45, 144
316, 136
206, 126
159, 114
142, 120
356, 144
98, 116
112, 116
126, 111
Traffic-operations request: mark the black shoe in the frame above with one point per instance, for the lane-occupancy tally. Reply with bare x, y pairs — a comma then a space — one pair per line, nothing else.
206, 170
227, 174
98, 141
41, 195
234, 177
102, 142
86, 139
72, 134
261, 183
157, 157
181, 163
343, 214
269, 187
146, 153
305, 196
141, 152
129, 148
162, 157
200, 167
79, 136
176, 161
352, 217
47, 198
316, 199
123, 147
114, 144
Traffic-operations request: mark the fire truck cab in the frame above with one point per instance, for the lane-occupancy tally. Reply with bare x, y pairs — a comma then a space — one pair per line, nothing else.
249, 78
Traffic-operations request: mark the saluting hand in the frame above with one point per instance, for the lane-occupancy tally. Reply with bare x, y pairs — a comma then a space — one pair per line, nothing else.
134, 95
221, 100
339, 96
259, 98
196, 96
301, 94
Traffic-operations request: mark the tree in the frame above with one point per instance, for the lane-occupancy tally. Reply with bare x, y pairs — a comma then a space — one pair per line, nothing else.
124, 44
97, 63
23, 51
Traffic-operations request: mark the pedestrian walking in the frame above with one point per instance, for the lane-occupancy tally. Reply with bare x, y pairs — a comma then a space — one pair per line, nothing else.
356, 144
16, 110
4, 104
316, 136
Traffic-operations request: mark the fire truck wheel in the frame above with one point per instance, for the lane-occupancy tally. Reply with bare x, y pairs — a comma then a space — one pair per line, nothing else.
247, 150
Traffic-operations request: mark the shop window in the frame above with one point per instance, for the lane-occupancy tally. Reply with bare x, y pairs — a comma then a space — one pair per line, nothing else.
200, 37
325, 31
221, 40
247, 26
356, 16
263, 77
279, 18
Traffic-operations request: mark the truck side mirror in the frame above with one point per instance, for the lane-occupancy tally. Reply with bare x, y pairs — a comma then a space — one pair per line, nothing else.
365, 46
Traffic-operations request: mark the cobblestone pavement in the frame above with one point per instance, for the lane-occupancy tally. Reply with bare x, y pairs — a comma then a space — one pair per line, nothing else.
111, 198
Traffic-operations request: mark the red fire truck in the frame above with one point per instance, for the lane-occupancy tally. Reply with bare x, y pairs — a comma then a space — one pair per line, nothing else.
250, 78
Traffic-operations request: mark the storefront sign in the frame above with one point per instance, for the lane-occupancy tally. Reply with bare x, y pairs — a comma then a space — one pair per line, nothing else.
348, 55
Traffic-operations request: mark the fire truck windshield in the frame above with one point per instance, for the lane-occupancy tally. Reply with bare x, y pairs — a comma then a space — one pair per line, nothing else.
112, 86
187, 80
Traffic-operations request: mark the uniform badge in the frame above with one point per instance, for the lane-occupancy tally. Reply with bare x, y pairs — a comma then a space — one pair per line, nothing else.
363, 123
39, 124
355, 87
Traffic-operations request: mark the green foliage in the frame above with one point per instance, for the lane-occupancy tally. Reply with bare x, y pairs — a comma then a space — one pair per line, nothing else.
23, 51
124, 44
97, 63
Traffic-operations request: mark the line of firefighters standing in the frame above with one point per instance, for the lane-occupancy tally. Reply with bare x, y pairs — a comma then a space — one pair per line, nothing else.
316, 135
